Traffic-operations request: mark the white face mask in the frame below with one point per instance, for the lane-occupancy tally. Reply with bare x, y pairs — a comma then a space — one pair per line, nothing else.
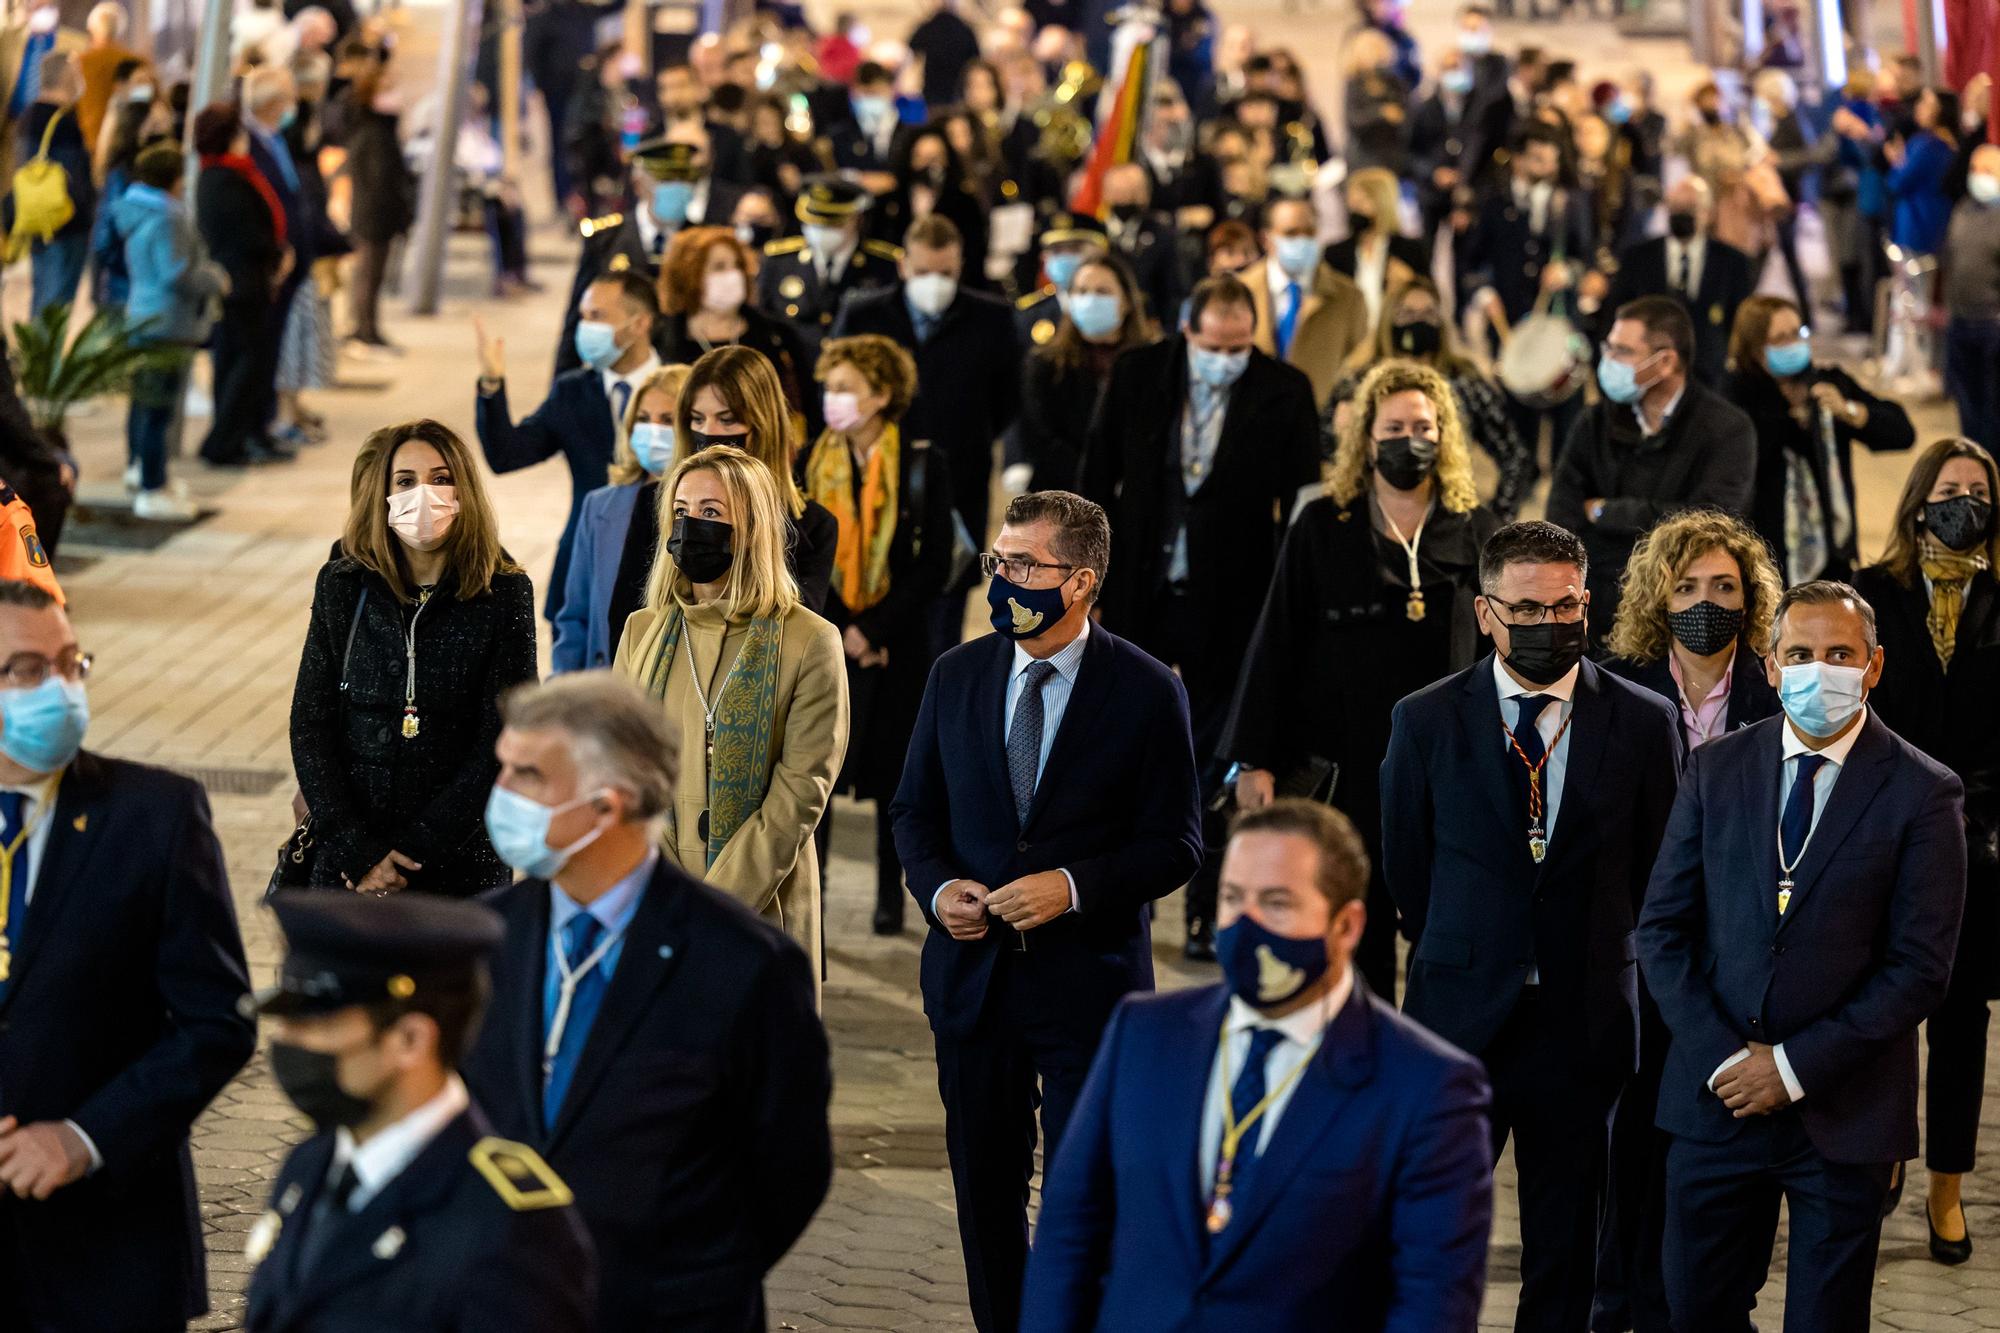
724, 291
931, 293
824, 242
423, 515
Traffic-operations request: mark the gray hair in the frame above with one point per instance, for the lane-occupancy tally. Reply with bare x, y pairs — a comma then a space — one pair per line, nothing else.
267, 85
1082, 532
618, 736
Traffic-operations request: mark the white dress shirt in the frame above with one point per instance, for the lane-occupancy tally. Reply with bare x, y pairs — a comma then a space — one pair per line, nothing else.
392, 1148
1303, 1031
1548, 725
1696, 252
1056, 690
631, 382
1788, 772
1371, 275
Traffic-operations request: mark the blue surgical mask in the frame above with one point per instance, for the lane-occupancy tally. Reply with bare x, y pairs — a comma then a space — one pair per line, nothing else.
653, 445
1820, 698
1456, 81
287, 120
1298, 256
1619, 381
670, 202
1024, 613
1218, 369
1095, 314
870, 111
596, 343
1061, 268
1264, 968
519, 830
1619, 111
1475, 41
1788, 359
42, 729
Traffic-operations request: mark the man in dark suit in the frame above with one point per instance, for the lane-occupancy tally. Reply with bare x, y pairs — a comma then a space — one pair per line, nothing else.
1800, 924
1710, 277
804, 278
1034, 856
1522, 802
1200, 446
1147, 238
120, 975
1659, 441
1359, 1199
584, 414
683, 100
651, 1038
968, 363
1454, 134
403, 1210
860, 143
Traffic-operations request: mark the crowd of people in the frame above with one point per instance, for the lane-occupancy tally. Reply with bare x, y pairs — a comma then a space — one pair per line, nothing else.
1261, 405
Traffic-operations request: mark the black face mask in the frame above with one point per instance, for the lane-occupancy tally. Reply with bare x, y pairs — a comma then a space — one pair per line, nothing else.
700, 546
1420, 338
1681, 226
1706, 628
311, 1080
701, 439
1404, 461
1711, 115
1959, 523
1542, 654
1126, 212
1359, 222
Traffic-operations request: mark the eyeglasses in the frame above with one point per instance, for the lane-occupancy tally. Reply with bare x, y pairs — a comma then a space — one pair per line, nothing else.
1015, 568
25, 671
1565, 612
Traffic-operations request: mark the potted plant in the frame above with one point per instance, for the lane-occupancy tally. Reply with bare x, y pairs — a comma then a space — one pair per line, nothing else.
56, 373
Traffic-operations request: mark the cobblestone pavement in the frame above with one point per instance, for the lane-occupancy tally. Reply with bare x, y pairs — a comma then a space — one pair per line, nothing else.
198, 642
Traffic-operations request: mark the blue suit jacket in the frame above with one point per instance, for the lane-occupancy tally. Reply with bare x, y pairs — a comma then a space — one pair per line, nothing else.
574, 421
583, 635
1369, 1210
1478, 910
1117, 806
1859, 959
121, 1015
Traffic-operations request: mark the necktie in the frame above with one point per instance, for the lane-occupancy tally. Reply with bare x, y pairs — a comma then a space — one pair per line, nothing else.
1795, 825
579, 939
1243, 1098
1288, 318
326, 1215
1527, 734
1687, 272
1024, 738
621, 394
13, 810
925, 325
659, 243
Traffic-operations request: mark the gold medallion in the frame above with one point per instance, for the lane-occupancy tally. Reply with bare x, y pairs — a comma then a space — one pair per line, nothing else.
792, 287
410, 725
1715, 314
1538, 846
1219, 1214
1043, 330
1414, 609
1784, 896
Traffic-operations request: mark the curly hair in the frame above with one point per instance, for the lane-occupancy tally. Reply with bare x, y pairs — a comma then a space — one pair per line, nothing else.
881, 361
1454, 460
687, 260
1640, 633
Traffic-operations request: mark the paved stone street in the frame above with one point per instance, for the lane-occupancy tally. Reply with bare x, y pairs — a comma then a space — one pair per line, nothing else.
197, 641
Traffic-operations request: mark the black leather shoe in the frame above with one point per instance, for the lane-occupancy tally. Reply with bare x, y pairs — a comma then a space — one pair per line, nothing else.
1200, 947
1895, 1196
888, 923
1953, 1252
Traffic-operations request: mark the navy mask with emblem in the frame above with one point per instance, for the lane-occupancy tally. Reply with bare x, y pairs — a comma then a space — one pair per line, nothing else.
1024, 613
1264, 968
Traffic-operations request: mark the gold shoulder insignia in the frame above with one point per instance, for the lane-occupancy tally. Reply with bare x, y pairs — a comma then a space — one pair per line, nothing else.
1034, 298
789, 245
591, 226
518, 1175
619, 263
1044, 330
884, 250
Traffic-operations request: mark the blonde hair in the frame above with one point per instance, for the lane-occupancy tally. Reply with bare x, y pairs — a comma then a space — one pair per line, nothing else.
625, 469
1640, 633
759, 583
471, 549
1383, 190
748, 384
1349, 473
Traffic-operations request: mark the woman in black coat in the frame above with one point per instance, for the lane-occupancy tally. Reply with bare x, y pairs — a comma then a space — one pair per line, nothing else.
1808, 419
1063, 379
384, 193
418, 628
1937, 615
1349, 627
930, 178
705, 284
892, 562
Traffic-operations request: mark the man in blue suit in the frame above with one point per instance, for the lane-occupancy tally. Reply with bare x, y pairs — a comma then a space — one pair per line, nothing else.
121, 973
585, 412
1281, 1150
1522, 804
1800, 924
1048, 798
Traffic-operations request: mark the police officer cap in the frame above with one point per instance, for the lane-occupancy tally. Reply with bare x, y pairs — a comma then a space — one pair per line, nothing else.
829, 200
666, 161
349, 948
1069, 228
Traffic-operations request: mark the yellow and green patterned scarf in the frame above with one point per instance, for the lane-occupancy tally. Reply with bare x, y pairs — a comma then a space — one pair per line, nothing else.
739, 772
861, 557
1949, 573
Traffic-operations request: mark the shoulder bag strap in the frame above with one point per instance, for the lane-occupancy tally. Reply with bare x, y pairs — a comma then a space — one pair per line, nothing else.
360, 605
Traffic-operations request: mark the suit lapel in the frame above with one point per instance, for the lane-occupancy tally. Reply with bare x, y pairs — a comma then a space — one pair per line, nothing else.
1864, 773
989, 714
1484, 753
78, 828
1184, 1105
653, 945
1760, 797
1344, 1062
529, 946
1088, 699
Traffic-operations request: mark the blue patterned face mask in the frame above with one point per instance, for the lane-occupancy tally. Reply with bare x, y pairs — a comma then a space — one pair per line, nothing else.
42, 729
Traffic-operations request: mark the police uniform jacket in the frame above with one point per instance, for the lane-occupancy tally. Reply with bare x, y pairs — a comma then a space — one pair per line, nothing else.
1151, 244
789, 286
1505, 251
612, 244
475, 1235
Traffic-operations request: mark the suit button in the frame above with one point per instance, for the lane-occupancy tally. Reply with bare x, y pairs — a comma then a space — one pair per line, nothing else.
1021, 846
1777, 949
1752, 1021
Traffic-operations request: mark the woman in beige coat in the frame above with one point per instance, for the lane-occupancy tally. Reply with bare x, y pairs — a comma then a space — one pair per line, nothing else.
753, 684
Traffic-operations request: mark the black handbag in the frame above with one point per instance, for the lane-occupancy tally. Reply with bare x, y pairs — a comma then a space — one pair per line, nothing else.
959, 574
294, 868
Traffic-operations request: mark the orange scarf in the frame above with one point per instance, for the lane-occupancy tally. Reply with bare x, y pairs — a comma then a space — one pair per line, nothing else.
861, 556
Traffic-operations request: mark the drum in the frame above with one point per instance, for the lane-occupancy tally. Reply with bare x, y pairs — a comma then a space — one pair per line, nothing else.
1545, 361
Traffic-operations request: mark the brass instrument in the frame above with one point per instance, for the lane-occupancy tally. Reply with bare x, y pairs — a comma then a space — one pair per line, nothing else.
1066, 129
